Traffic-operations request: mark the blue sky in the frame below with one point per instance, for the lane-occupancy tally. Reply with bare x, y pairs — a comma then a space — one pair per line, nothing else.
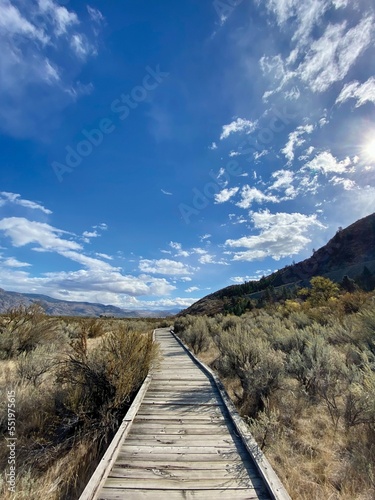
154, 152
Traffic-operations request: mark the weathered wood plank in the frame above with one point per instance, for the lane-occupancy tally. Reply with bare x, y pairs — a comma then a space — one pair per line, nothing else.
168, 430
237, 466
271, 481
181, 410
142, 494
184, 400
181, 457
196, 418
167, 449
114, 481
182, 440
157, 472
181, 444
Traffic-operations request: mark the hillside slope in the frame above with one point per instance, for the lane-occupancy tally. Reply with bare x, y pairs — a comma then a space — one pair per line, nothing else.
347, 253
56, 307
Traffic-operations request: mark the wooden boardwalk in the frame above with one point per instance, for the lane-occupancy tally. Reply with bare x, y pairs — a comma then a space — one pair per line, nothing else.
181, 443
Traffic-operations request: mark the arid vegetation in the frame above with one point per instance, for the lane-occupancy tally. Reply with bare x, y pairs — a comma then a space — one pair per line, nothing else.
73, 381
302, 374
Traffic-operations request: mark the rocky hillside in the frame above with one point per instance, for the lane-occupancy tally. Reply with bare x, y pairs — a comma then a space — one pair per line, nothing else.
56, 307
350, 252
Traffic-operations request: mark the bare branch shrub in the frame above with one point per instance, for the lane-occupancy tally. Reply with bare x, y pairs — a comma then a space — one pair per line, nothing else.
32, 366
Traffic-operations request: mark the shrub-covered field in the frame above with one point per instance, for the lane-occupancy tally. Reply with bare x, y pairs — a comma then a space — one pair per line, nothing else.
71, 382
302, 374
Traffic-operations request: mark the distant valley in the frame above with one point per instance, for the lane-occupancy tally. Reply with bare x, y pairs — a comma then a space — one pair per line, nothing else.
57, 307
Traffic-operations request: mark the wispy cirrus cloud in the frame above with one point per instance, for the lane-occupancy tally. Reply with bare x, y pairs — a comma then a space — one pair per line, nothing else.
361, 92
37, 37
16, 199
240, 125
315, 61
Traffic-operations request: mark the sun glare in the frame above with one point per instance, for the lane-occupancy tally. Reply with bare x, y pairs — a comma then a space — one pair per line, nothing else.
369, 150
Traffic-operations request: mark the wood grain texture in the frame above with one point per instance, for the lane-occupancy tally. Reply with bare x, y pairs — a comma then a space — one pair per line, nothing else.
182, 443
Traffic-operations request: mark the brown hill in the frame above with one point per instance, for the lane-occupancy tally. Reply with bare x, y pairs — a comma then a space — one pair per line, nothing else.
350, 252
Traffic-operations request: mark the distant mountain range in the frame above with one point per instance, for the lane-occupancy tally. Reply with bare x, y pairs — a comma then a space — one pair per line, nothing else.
56, 307
350, 252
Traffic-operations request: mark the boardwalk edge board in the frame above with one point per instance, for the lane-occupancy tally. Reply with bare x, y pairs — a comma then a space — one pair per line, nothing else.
272, 481
109, 458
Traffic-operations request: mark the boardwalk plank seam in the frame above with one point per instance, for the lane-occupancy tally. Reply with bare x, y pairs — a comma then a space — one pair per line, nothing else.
196, 442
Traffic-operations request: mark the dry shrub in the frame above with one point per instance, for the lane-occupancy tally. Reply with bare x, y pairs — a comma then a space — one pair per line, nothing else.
24, 329
92, 328
33, 366
69, 402
259, 367
304, 376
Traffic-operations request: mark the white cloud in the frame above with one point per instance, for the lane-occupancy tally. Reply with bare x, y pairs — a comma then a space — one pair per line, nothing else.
328, 58
296, 140
81, 46
164, 266
210, 259
33, 36
102, 226
205, 237
110, 287
12, 22
293, 94
192, 289
331, 57
347, 184
62, 18
90, 234
238, 125
24, 232
199, 251
284, 181
103, 256
252, 195
259, 154
97, 280
256, 277
178, 247
95, 14
363, 93
166, 192
175, 302
281, 235
12, 262
14, 198
226, 194
326, 163
242, 279
213, 146
306, 154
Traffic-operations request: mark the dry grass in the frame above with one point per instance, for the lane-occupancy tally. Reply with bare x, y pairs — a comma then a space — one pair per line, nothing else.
73, 380
303, 377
